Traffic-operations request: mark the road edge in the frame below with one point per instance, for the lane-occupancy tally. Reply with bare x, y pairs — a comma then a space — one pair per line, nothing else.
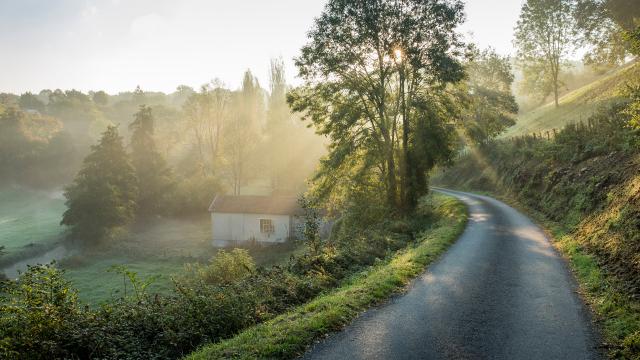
291, 334
606, 304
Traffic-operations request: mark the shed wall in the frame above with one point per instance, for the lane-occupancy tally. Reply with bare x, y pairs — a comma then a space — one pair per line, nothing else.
230, 229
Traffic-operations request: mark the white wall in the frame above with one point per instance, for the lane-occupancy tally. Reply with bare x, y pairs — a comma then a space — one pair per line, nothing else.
228, 229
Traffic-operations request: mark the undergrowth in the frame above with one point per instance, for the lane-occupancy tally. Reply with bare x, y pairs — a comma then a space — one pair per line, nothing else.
583, 183
288, 335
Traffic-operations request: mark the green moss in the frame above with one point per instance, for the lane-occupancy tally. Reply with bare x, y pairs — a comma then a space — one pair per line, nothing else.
288, 335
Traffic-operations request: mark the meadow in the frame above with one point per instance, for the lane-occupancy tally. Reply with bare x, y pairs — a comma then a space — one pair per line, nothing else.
29, 221
155, 250
577, 105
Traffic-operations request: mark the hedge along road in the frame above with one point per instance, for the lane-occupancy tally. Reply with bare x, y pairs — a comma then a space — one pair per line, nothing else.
500, 292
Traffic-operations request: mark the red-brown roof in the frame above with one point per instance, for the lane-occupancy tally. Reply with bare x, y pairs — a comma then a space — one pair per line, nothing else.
245, 204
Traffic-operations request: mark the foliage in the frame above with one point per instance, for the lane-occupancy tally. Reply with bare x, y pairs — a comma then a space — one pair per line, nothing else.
211, 303
281, 133
139, 285
491, 106
207, 112
374, 72
545, 36
311, 225
104, 193
288, 335
37, 313
28, 101
607, 26
579, 104
33, 148
633, 110
154, 176
585, 179
223, 269
243, 132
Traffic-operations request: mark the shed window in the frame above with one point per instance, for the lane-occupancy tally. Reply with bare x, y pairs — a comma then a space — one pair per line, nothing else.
266, 226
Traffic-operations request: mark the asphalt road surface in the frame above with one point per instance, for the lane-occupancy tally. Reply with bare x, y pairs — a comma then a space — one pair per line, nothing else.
500, 292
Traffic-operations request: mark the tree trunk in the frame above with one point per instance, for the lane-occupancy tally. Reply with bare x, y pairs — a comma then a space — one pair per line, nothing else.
391, 180
406, 168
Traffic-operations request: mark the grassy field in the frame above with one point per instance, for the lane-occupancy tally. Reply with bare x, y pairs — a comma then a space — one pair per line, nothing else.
29, 218
577, 105
29, 224
288, 335
158, 249
96, 282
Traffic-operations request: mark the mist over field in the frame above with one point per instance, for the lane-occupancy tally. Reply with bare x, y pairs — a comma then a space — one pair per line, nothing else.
208, 179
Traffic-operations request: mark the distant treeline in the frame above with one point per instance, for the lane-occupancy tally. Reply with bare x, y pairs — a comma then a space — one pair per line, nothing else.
236, 139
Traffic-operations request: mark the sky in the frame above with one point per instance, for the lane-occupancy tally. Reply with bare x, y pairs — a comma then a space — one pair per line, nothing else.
115, 45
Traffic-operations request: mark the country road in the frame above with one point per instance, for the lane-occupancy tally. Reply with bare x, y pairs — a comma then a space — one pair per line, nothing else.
500, 292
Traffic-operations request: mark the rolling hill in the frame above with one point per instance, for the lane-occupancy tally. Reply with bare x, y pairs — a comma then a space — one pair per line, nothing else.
578, 104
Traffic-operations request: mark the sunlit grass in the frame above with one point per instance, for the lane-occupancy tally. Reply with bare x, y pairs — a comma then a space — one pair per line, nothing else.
576, 105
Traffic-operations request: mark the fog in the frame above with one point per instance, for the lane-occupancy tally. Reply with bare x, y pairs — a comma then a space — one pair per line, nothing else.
211, 140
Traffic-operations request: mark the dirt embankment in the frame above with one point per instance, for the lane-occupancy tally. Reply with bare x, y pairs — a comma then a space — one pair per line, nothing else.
598, 199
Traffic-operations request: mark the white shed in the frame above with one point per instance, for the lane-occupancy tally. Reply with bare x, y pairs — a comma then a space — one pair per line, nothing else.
264, 219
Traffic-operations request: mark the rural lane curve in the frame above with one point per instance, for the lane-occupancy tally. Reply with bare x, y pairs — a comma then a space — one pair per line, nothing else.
500, 292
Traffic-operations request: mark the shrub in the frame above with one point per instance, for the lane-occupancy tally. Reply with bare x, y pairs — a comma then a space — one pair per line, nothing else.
40, 316
224, 268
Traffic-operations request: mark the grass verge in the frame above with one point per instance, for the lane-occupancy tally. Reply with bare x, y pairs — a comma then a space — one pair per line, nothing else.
617, 313
289, 334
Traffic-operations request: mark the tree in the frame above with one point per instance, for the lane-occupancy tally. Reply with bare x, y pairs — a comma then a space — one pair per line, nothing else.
152, 172
103, 195
371, 70
28, 101
491, 104
207, 112
29, 151
100, 98
607, 27
242, 131
79, 113
545, 35
310, 226
280, 131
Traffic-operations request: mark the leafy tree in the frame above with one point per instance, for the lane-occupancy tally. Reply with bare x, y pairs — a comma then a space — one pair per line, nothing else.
207, 112
152, 172
104, 193
280, 130
492, 106
242, 131
545, 36
607, 26
79, 113
370, 70
180, 96
311, 225
100, 98
28, 101
32, 148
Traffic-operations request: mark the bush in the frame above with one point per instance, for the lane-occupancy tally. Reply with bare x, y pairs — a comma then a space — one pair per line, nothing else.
224, 268
40, 316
